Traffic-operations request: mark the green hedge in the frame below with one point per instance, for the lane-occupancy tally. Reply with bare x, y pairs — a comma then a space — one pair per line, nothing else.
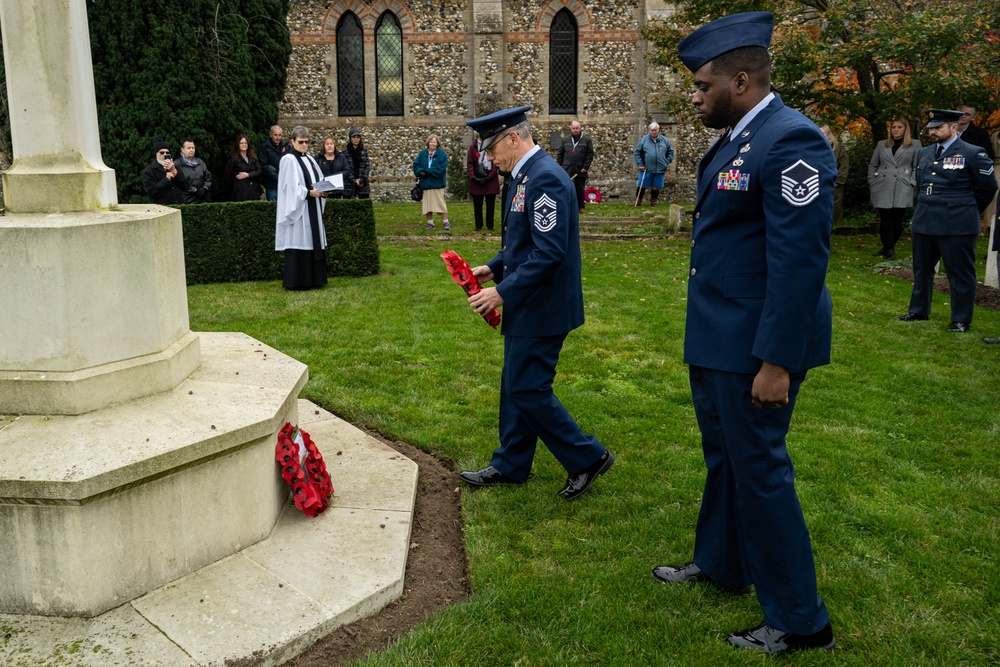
234, 242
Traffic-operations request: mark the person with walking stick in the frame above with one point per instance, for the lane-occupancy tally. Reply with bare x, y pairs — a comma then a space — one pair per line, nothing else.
653, 154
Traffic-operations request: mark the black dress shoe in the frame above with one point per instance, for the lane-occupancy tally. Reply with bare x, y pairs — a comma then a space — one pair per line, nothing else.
889, 254
577, 485
879, 253
766, 639
488, 476
992, 341
910, 317
689, 572
959, 327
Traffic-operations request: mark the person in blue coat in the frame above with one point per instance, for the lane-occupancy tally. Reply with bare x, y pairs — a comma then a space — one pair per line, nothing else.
653, 154
758, 317
955, 184
538, 283
431, 169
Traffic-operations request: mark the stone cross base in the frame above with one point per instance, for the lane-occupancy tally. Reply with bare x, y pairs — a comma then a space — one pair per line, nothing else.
101, 508
94, 307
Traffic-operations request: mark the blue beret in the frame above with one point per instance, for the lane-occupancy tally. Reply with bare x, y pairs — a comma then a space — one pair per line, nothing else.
936, 117
491, 125
725, 34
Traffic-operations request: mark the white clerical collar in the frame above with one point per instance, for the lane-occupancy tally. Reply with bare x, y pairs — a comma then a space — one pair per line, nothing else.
520, 163
750, 116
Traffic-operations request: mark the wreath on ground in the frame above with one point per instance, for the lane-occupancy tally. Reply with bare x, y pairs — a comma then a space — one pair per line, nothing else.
302, 467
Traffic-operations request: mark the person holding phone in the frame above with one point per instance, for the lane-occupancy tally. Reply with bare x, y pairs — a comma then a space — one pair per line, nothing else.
161, 180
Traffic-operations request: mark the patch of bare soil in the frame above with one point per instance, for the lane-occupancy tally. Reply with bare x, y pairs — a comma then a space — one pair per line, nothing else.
986, 297
437, 573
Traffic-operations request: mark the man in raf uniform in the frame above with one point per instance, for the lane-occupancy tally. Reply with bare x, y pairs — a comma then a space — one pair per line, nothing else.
538, 283
955, 184
758, 317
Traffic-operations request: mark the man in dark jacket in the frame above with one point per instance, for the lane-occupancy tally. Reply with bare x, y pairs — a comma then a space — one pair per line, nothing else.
575, 156
161, 180
269, 154
971, 133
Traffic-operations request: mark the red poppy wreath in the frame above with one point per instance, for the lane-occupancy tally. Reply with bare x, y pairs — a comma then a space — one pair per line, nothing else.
462, 274
310, 482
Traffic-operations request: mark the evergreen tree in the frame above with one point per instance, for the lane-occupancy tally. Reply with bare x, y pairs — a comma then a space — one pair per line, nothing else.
205, 70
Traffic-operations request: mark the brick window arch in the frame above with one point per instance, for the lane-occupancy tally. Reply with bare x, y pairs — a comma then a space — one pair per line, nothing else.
388, 66
563, 50
350, 66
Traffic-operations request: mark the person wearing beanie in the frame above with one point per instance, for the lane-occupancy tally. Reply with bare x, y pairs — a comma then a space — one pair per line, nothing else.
161, 180
360, 166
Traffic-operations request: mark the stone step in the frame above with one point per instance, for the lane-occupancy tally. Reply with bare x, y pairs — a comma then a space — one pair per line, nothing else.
268, 602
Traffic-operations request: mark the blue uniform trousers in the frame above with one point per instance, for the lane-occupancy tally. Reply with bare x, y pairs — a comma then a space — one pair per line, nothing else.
529, 410
750, 528
959, 254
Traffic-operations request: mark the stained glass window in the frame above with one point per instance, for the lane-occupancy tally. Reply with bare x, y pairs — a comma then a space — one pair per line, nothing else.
389, 66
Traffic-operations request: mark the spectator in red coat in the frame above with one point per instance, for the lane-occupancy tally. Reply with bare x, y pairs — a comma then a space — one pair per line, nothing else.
484, 184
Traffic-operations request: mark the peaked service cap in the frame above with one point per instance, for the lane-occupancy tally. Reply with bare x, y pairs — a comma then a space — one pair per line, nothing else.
725, 34
936, 117
492, 125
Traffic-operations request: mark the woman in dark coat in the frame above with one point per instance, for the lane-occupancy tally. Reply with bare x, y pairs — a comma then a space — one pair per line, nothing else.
242, 171
331, 161
360, 166
892, 179
484, 183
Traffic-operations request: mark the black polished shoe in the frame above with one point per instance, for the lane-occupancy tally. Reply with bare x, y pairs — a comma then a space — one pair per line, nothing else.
488, 476
910, 317
766, 639
879, 253
959, 327
890, 254
992, 341
577, 485
689, 572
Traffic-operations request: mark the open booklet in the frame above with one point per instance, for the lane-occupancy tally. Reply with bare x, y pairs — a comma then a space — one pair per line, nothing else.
331, 183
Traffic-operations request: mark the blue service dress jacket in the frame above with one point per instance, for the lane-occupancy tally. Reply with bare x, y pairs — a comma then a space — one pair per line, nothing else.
760, 246
953, 190
537, 270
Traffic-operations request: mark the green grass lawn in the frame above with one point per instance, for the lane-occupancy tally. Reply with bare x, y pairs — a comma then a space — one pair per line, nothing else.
895, 445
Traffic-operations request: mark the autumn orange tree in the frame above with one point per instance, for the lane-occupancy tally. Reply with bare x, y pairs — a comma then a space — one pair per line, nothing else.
845, 61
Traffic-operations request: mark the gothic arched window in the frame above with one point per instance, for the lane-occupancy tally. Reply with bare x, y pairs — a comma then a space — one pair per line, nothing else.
562, 63
388, 66
350, 66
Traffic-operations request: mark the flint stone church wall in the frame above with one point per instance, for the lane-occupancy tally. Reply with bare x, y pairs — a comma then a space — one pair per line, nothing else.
465, 58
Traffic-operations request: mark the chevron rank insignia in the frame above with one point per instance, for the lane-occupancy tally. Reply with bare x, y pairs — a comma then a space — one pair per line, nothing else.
545, 214
800, 184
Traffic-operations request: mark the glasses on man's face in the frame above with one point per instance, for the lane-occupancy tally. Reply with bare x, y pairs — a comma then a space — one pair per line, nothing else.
163, 153
302, 141
491, 151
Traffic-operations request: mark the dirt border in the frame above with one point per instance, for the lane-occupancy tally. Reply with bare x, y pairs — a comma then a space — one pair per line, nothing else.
437, 570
